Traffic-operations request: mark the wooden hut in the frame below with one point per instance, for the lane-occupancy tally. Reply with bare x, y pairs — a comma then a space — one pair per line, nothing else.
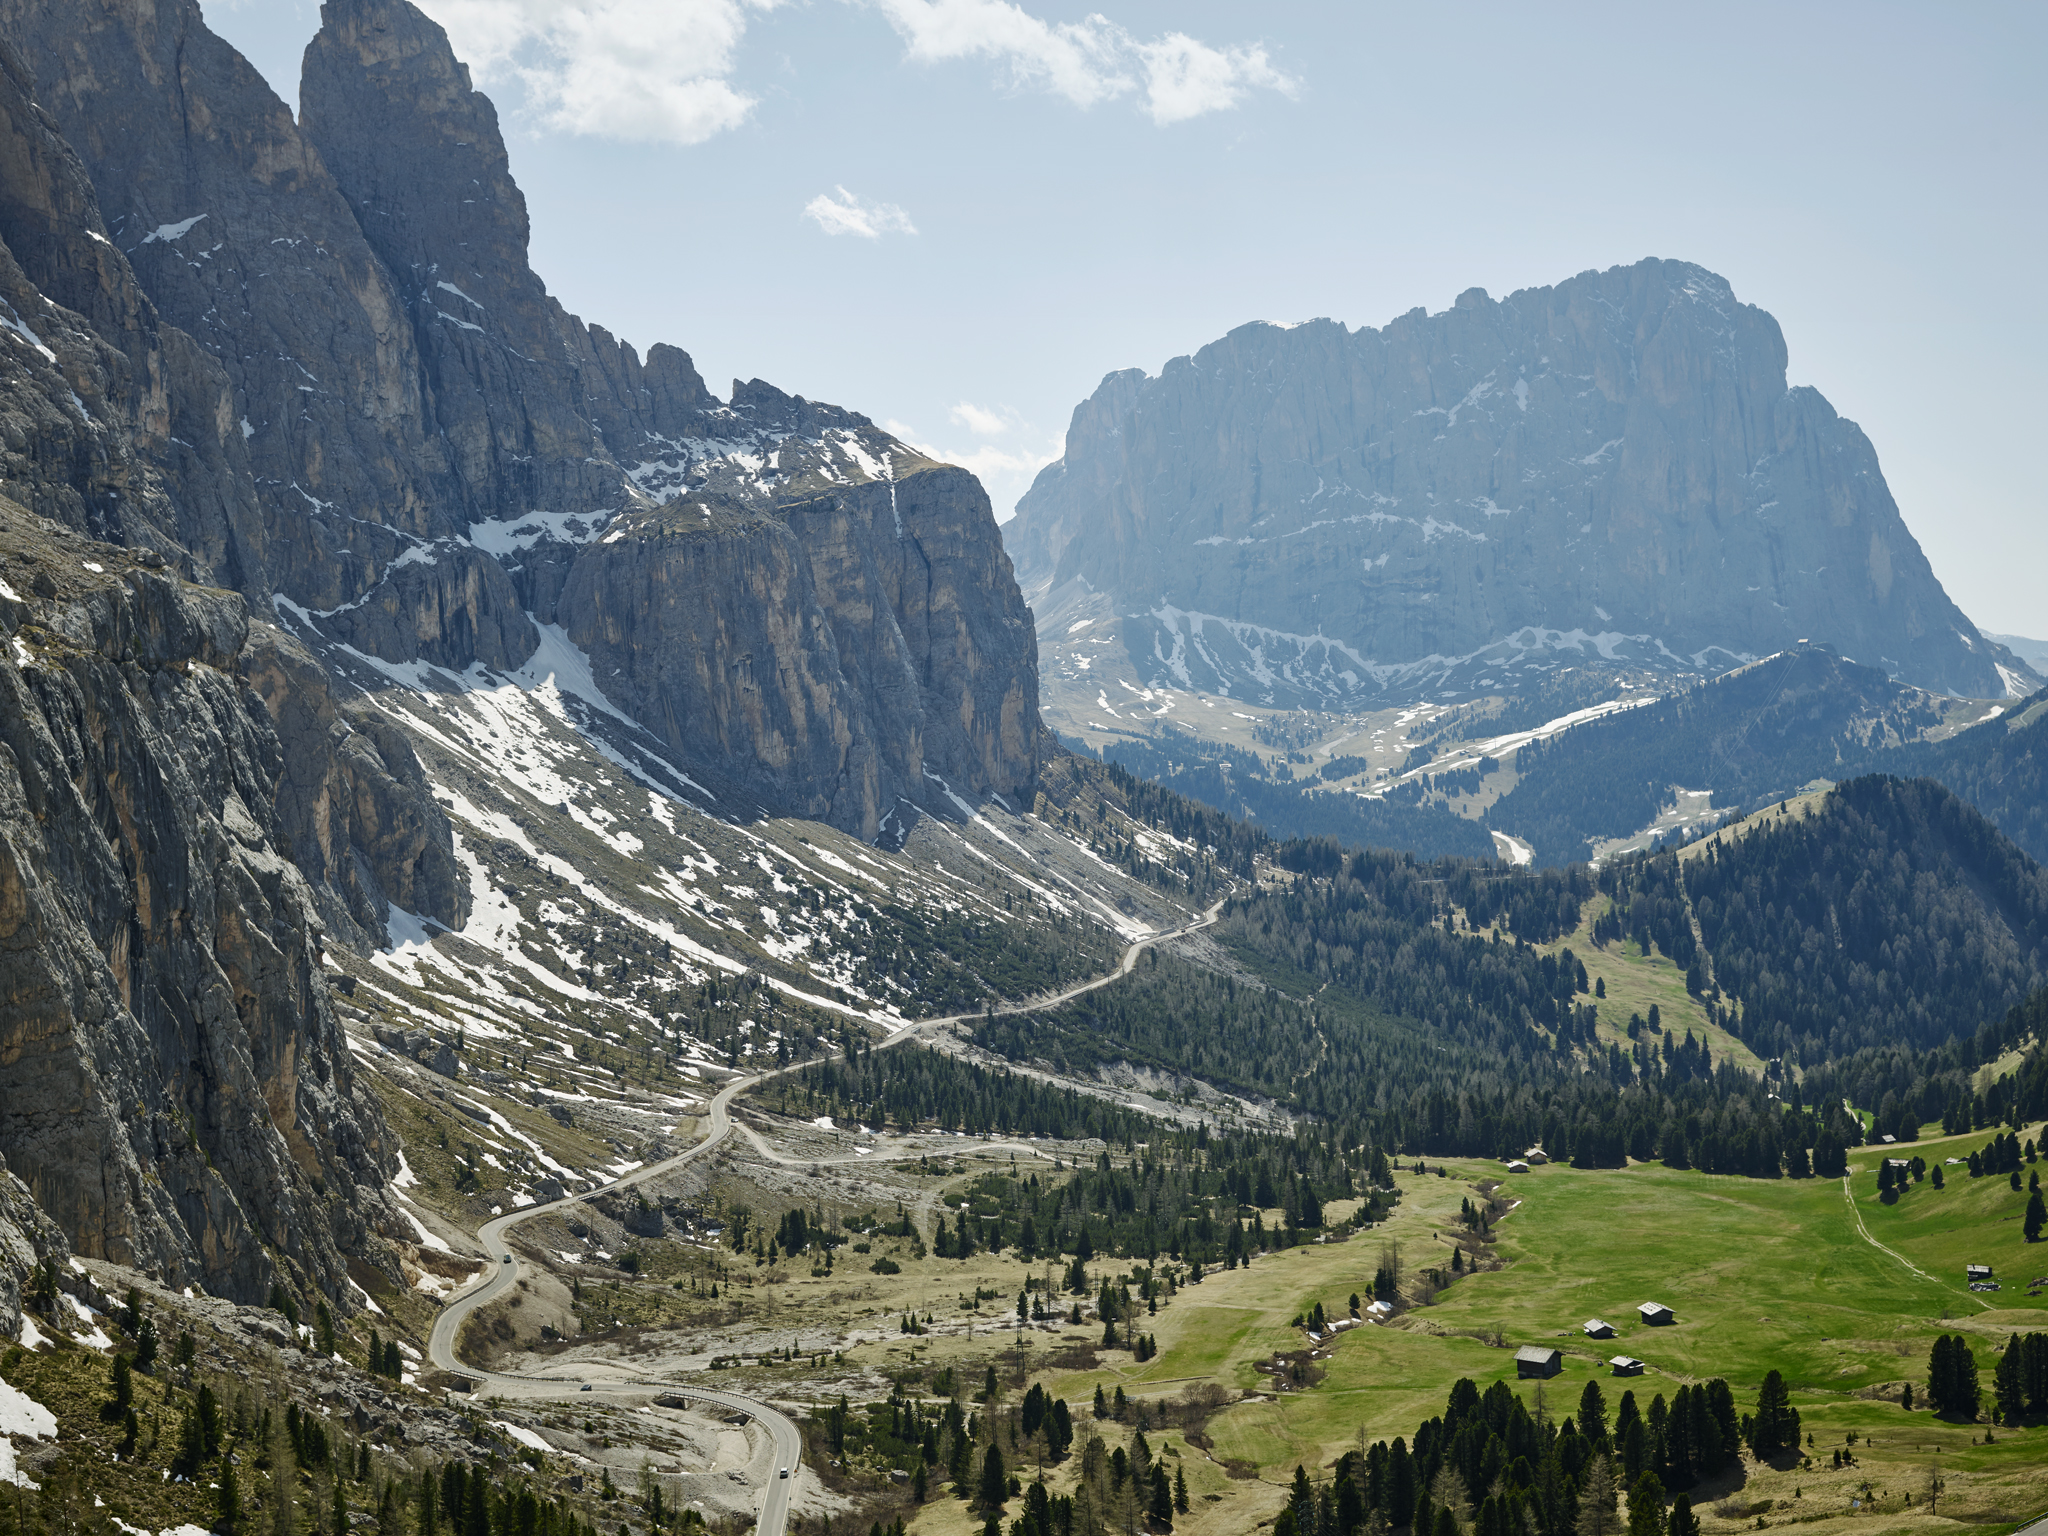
1536, 1360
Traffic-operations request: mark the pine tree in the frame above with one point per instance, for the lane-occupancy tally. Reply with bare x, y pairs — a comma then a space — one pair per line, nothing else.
1776, 1426
2009, 1381
995, 1485
1683, 1521
2037, 1217
228, 1509
1646, 1506
1162, 1499
1593, 1413
1180, 1490
1952, 1388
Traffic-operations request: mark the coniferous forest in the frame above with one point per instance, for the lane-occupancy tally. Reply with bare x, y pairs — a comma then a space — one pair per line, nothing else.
1888, 944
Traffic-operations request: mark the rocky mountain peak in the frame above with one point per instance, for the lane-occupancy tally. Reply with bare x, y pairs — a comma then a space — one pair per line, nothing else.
1612, 471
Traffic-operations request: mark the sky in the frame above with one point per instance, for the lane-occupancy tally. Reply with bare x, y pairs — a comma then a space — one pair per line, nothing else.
956, 216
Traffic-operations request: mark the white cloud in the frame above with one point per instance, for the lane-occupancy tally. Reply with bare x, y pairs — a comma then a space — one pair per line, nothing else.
1185, 78
1005, 473
980, 421
1088, 61
655, 70
663, 70
839, 212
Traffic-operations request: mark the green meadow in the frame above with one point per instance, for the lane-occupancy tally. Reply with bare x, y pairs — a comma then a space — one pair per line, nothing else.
1760, 1275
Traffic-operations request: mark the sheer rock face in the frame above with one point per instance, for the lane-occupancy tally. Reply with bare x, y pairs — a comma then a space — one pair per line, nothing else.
540, 411
175, 1090
793, 600
1614, 467
436, 445
240, 238
114, 424
831, 649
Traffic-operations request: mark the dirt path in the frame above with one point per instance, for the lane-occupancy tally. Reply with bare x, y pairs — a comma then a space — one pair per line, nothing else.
1863, 1232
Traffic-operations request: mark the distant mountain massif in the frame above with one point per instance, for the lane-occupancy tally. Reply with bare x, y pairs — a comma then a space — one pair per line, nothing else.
1610, 472
1363, 582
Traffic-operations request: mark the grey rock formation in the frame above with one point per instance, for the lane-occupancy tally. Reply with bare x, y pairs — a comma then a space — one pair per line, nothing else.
1613, 469
435, 446
258, 372
27, 1238
174, 1086
353, 806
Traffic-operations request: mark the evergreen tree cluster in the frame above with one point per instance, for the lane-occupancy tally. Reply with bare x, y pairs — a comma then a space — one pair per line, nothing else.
1489, 1466
1750, 736
2000, 767
1952, 1388
2020, 1382
1895, 914
1468, 1088
1908, 1088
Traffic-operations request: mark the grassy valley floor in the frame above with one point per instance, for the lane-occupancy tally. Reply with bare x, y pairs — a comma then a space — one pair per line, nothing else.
1843, 1294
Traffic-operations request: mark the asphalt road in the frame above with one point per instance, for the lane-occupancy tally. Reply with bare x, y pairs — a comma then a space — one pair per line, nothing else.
505, 1265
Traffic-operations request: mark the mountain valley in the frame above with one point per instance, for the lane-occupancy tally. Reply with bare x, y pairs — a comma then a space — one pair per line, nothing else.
579, 956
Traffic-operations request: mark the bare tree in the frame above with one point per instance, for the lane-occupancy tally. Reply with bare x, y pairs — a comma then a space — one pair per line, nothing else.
1597, 1501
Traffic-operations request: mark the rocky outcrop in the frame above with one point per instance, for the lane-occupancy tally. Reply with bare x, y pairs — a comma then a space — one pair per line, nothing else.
831, 651
354, 809
114, 424
797, 604
241, 240
174, 1087
273, 397
436, 445
28, 1238
1610, 470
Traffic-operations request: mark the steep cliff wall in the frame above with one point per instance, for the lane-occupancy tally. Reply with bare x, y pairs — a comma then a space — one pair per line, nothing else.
817, 615
115, 425
174, 1087
1614, 468
241, 239
830, 650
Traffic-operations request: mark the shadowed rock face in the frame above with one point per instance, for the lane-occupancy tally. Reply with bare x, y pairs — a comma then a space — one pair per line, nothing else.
174, 1087
1614, 467
835, 649
241, 240
790, 598
27, 1238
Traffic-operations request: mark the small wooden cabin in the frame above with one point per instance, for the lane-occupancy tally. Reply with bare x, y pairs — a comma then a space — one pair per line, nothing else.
1536, 1360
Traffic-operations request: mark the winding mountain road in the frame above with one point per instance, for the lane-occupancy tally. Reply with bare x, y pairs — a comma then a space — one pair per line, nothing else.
505, 1265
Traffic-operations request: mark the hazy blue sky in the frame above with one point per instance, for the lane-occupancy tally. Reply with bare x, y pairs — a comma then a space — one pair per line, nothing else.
957, 215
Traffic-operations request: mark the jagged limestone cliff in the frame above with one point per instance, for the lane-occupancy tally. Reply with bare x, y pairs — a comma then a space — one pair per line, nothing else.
435, 445
1610, 471
175, 1090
